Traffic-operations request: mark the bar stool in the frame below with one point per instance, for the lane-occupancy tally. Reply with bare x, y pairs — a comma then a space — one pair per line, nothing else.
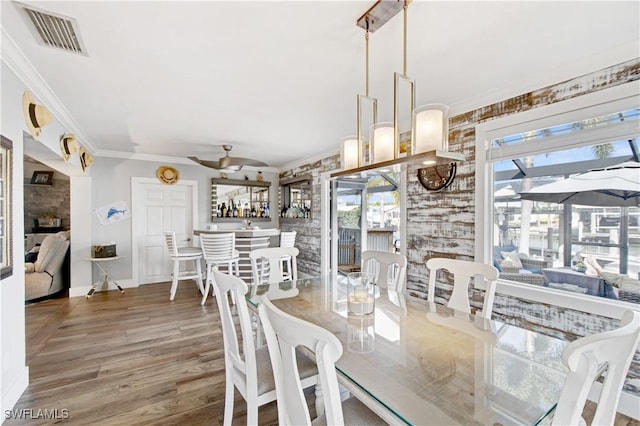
287, 239
219, 249
183, 254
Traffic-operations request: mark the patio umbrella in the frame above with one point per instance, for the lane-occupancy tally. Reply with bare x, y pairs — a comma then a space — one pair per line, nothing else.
617, 185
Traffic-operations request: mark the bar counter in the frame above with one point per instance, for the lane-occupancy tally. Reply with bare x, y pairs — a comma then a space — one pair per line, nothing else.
246, 241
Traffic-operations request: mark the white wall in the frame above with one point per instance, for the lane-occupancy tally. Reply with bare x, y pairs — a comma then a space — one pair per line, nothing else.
111, 182
14, 373
108, 180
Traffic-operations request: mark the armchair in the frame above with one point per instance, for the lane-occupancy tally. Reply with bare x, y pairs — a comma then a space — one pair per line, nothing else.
45, 276
522, 268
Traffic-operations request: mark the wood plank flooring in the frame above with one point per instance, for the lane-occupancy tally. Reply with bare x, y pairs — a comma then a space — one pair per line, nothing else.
128, 359
134, 359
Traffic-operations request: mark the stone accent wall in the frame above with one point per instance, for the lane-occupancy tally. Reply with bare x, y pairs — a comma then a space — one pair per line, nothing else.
309, 233
40, 200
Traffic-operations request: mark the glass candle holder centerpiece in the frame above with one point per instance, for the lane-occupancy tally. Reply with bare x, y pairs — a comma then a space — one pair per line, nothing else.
360, 293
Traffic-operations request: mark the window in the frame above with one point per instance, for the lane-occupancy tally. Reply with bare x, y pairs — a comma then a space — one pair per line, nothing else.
6, 264
573, 248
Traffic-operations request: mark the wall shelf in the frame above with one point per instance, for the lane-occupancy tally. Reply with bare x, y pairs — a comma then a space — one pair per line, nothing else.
296, 199
247, 196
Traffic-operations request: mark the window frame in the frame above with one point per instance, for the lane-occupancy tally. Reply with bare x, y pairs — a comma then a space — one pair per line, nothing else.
615, 99
6, 180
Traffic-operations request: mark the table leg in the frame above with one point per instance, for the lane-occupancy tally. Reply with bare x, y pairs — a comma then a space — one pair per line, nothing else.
105, 282
118, 285
91, 291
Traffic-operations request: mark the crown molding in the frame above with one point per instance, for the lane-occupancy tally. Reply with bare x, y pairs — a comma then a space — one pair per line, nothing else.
143, 157
298, 163
17, 62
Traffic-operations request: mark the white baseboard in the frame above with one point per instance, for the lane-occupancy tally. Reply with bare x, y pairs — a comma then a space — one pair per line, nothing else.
15, 391
82, 291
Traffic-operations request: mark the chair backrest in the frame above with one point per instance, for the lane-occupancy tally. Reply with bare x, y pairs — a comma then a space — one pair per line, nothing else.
388, 268
271, 257
463, 271
588, 358
172, 245
288, 238
236, 364
284, 333
218, 247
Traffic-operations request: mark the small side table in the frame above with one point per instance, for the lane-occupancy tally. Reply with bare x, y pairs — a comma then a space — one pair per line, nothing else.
106, 279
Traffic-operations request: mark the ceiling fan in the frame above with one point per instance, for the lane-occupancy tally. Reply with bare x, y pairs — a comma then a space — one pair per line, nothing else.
229, 164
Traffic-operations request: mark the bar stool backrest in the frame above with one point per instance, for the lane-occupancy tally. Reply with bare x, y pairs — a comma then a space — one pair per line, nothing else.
218, 247
288, 238
172, 245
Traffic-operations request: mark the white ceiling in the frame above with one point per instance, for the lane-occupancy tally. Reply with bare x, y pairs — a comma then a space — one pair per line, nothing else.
278, 79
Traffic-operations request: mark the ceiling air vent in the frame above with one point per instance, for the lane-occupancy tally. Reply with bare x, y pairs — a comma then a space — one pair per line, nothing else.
53, 30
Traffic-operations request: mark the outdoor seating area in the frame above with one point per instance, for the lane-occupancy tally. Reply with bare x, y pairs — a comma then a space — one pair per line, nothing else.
520, 267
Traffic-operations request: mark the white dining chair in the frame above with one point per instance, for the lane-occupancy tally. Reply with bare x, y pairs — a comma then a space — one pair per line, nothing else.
287, 239
284, 333
607, 354
388, 268
463, 271
219, 250
179, 255
266, 264
249, 370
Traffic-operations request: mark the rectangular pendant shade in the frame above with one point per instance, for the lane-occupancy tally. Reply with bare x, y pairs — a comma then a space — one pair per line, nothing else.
431, 128
381, 142
350, 153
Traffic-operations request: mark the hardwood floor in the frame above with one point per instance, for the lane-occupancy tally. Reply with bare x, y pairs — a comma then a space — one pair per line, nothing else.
128, 359
134, 359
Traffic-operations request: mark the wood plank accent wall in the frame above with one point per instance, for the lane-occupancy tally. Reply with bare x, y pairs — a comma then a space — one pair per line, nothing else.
442, 224
308, 232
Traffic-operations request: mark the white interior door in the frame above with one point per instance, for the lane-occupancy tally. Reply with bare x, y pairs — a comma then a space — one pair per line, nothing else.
159, 208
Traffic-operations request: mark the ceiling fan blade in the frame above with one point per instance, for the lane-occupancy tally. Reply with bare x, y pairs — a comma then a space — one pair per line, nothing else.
239, 161
206, 163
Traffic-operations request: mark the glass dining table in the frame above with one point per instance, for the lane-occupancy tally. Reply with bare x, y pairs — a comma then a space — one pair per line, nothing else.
417, 363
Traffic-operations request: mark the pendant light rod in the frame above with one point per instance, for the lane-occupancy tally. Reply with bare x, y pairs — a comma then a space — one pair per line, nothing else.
366, 43
404, 41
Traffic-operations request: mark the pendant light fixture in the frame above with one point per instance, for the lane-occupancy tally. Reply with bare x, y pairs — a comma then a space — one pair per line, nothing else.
357, 150
398, 80
416, 134
350, 152
430, 128
381, 142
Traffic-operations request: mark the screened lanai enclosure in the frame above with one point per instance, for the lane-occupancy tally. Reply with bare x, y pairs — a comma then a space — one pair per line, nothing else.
367, 210
590, 245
